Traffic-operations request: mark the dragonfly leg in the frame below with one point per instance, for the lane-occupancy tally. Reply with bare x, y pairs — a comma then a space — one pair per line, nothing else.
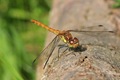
72, 52
79, 52
60, 47
70, 49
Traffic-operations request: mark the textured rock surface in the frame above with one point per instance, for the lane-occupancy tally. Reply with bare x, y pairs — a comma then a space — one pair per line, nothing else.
101, 60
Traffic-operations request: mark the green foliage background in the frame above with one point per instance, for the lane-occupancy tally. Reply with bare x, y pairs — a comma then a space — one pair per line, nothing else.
21, 40
117, 4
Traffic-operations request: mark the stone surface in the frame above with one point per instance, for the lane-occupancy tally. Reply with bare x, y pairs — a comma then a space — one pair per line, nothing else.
101, 60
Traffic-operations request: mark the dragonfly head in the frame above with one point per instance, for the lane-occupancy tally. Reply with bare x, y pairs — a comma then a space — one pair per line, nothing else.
67, 38
74, 43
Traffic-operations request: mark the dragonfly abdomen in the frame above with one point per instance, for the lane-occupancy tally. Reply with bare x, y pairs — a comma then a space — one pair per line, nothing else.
46, 27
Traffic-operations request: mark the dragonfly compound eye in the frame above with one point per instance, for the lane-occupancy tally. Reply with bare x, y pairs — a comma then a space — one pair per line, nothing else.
76, 40
71, 41
75, 43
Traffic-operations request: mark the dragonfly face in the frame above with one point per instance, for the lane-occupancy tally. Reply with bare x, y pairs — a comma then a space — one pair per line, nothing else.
74, 43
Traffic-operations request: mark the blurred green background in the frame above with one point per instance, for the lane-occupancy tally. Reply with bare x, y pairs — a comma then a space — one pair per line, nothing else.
116, 4
20, 40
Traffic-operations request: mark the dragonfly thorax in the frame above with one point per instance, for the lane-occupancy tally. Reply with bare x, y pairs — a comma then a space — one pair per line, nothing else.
65, 36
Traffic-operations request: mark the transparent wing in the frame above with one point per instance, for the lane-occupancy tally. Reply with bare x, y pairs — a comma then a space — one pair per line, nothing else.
104, 38
97, 34
98, 29
88, 31
47, 52
92, 34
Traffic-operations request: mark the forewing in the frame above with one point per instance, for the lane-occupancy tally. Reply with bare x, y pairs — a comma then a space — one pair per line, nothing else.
97, 34
104, 38
47, 52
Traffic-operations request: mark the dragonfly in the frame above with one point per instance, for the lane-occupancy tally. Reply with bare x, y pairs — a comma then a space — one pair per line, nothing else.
65, 36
